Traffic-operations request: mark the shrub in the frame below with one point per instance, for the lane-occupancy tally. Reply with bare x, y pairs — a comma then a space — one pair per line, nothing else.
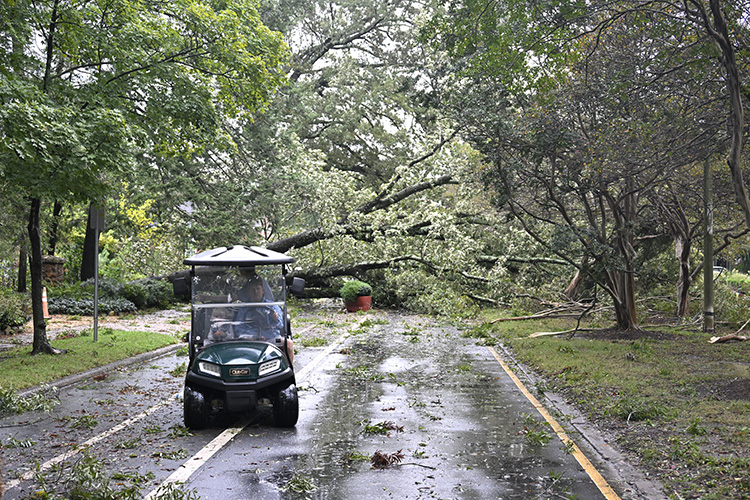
738, 282
108, 288
730, 307
73, 291
353, 289
78, 299
149, 293
15, 310
85, 307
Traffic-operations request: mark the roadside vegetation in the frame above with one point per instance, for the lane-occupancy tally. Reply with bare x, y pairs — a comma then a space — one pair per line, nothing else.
87, 479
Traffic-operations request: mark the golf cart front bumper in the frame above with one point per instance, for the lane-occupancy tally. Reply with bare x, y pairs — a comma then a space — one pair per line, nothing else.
239, 396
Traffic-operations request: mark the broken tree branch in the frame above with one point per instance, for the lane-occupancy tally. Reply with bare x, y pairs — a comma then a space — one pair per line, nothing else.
727, 338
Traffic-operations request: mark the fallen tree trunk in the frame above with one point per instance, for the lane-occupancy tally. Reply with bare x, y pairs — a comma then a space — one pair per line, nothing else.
536, 316
343, 227
319, 276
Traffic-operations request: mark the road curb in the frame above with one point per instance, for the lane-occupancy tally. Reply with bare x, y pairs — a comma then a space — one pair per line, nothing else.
629, 479
100, 370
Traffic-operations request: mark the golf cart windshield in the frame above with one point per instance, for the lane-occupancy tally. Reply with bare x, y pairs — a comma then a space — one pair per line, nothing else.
238, 303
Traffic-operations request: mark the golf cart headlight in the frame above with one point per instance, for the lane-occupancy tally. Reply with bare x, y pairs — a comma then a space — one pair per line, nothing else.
268, 367
209, 369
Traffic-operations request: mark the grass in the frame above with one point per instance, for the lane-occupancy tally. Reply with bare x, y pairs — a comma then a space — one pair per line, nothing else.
19, 370
680, 404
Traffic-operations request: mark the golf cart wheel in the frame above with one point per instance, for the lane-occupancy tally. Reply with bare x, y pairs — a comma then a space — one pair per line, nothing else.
286, 407
196, 409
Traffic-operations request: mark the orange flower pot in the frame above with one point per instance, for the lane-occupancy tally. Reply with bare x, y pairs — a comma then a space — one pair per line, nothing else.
361, 304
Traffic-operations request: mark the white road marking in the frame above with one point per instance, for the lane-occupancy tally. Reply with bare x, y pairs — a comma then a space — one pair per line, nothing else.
187, 469
184, 472
71, 453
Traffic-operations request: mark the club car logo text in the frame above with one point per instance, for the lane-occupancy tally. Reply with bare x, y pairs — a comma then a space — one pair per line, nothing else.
236, 372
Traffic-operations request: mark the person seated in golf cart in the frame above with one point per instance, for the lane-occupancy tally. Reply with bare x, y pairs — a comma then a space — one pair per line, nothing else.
248, 312
260, 322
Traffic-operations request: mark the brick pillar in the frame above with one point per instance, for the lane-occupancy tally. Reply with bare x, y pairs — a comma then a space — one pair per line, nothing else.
53, 269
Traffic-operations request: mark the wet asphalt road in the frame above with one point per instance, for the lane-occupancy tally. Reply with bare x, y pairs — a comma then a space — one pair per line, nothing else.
444, 416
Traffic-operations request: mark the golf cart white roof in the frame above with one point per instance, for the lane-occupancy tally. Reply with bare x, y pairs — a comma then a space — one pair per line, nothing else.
238, 255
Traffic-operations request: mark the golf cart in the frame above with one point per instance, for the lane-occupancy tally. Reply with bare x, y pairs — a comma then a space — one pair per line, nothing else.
240, 337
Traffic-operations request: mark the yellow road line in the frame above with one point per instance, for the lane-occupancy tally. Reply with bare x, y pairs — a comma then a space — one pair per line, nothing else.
594, 474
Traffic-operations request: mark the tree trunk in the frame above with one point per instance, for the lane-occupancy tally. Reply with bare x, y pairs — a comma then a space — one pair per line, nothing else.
623, 300
623, 280
719, 32
682, 248
22, 268
41, 344
53, 236
382, 201
573, 291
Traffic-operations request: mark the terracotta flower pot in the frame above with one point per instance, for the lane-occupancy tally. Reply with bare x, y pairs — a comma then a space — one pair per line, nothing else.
361, 304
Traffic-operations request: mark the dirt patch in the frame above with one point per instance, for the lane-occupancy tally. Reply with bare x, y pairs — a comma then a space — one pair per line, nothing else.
726, 390
615, 334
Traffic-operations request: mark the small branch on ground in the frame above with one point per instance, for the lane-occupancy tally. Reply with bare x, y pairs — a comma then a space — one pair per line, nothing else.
571, 331
728, 338
382, 460
742, 327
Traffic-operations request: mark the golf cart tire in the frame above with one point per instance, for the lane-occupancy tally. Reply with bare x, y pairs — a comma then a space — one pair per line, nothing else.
196, 409
286, 407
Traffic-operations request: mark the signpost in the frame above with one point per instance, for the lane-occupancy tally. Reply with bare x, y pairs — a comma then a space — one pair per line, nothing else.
96, 221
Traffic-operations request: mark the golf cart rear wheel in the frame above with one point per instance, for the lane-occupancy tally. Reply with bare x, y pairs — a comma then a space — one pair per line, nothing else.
196, 409
286, 407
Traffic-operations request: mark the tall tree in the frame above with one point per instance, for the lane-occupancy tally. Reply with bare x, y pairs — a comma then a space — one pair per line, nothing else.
85, 85
587, 129
353, 149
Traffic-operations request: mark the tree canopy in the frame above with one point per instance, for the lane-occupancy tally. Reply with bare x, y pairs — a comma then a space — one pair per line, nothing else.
86, 87
447, 152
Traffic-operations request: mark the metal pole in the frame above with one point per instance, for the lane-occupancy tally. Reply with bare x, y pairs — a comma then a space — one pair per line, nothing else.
96, 279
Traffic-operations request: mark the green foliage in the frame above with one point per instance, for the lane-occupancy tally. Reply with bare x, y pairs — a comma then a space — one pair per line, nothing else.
738, 282
11, 402
299, 484
15, 310
633, 408
353, 289
149, 293
86, 479
78, 299
85, 307
729, 306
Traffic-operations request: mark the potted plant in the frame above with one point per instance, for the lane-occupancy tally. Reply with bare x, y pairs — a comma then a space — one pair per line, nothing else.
356, 295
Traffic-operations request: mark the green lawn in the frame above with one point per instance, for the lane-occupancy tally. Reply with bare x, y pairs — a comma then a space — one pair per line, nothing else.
19, 370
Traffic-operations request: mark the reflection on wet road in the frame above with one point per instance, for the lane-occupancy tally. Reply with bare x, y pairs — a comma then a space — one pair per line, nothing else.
439, 410
436, 412
461, 425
